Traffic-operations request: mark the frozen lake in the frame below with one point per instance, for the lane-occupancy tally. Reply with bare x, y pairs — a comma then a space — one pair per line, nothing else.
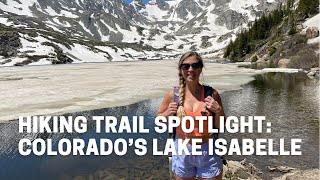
58, 89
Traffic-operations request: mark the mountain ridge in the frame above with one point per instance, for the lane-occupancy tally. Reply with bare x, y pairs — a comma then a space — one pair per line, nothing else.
169, 27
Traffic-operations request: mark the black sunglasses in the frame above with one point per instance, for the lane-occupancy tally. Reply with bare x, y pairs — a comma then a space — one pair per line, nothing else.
196, 65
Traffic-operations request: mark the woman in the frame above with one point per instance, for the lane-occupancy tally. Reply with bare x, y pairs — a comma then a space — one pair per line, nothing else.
192, 103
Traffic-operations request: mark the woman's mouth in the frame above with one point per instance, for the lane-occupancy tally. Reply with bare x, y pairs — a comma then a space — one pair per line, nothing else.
191, 76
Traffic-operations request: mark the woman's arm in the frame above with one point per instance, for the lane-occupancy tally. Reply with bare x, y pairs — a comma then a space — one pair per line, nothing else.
168, 107
214, 104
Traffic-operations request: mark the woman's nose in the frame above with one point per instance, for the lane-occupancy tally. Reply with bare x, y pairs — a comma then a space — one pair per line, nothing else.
191, 68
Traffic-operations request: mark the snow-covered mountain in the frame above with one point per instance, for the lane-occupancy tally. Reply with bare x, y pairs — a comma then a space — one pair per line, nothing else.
63, 31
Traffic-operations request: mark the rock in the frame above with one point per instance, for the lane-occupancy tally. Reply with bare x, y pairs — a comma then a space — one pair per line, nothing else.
205, 42
314, 72
312, 32
193, 48
235, 170
283, 169
315, 69
263, 59
224, 37
312, 174
283, 63
311, 74
169, 37
9, 43
5, 61
299, 27
231, 19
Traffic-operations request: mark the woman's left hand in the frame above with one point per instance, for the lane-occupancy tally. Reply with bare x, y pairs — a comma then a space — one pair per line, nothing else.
212, 104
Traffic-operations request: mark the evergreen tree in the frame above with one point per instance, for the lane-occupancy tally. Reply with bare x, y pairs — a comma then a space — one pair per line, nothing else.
262, 25
292, 24
289, 5
228, 49
258, 30
306, 8
254, 29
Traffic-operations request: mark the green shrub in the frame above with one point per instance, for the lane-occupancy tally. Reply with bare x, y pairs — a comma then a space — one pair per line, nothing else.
254, 58
277, 39
272, 50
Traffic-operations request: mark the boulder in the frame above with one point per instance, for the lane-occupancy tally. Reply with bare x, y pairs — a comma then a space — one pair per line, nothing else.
235, 170
311, 74
283, 63
314, 72
312, 32
315, 69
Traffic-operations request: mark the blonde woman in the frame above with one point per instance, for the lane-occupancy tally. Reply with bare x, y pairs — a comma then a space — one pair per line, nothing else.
192, 102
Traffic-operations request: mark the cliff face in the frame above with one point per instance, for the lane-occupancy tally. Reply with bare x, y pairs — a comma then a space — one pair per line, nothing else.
298, 50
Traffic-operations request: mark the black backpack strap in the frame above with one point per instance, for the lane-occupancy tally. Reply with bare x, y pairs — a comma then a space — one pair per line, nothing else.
208, 91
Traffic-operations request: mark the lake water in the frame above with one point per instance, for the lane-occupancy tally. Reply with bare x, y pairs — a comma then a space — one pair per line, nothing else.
289, 101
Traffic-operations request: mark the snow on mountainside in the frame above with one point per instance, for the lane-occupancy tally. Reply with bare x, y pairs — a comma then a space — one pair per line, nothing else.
65, 31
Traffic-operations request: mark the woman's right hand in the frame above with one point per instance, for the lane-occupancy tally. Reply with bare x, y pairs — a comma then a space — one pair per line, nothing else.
172, 109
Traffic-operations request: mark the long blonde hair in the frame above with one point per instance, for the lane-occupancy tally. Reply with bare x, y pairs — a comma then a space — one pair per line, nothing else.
182, 84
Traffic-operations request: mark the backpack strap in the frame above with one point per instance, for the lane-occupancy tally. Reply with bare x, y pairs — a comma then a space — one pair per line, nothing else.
208, 91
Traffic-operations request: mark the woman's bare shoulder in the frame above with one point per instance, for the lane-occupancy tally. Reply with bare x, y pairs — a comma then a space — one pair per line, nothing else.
215, 92
169, 95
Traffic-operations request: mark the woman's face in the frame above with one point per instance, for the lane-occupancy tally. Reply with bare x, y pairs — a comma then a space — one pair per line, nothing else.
191, 69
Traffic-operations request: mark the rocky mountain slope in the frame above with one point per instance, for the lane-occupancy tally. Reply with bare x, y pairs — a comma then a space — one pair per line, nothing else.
53, 32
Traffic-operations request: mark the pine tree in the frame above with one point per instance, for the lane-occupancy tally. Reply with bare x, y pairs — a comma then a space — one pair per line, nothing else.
306, 8
289, 6
292, 24
254, 30
228, 50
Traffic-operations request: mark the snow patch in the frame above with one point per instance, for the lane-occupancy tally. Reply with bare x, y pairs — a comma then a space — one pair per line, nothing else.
42, 61
129, 35
63, 13
154, 11
83, 54
35, 48
85, 28
240, 6
20, 9
314, 21
5, 21
314, 40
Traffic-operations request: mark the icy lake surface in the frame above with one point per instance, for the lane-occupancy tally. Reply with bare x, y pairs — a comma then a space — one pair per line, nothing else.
57, 89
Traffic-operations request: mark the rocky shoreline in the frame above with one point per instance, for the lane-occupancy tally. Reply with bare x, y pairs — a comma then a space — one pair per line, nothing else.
243, 170
313, 73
